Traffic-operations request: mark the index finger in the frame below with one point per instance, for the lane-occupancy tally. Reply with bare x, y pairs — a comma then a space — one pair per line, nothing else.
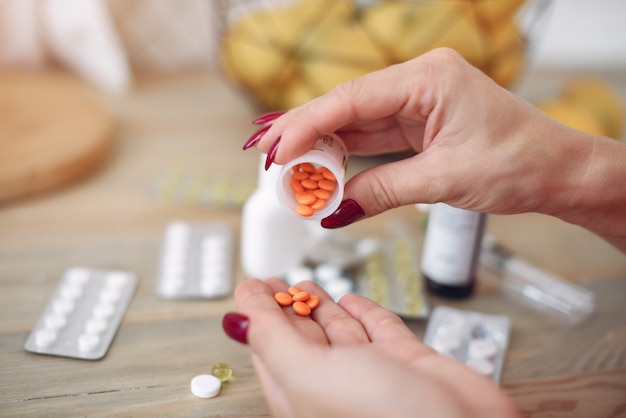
373, 96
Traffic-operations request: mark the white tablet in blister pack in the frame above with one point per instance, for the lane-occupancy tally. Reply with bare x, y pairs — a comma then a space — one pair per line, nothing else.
390, 275
196, 261
479, 340
83, 314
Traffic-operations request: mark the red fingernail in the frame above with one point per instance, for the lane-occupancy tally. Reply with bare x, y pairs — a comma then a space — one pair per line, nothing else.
268, 117
256, 137
271, 154
348, 212
235, 325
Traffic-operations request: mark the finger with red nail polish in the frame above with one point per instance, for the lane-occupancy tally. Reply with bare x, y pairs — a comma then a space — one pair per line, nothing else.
268, 117
235, 325
271, 154
256, 137
349, 211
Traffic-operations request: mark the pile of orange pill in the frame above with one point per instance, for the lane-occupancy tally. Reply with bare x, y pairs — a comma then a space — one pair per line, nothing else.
312, 187
301, 301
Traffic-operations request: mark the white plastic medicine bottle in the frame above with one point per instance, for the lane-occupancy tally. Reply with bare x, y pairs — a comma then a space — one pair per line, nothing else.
329, 152
451, 250
273, 241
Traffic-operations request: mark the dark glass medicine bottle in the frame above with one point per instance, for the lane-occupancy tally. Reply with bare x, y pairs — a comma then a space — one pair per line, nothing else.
451, 250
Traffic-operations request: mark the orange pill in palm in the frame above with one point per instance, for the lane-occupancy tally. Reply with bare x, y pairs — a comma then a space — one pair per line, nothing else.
304, 210
310, 184
305, 198
283, 299
301, 308
322, 194
296, 186
293, 290
313, 302
301, 296
318, 204
326, 185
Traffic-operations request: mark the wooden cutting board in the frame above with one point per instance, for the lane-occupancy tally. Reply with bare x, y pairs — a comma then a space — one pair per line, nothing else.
53, 131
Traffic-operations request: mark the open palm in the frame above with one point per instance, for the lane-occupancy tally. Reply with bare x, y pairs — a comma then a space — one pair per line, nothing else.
355, 358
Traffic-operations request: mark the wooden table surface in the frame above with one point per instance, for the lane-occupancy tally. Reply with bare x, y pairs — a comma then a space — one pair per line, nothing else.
194, 125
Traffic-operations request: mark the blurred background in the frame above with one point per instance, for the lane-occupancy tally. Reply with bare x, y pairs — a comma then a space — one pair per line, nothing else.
121, 37
281, 53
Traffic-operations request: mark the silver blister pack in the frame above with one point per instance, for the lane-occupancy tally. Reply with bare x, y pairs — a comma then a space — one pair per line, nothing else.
479, 340
390, 274
83, 314
384, 269
196, 261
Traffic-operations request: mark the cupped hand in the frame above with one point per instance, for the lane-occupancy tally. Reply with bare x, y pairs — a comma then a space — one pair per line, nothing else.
355, 359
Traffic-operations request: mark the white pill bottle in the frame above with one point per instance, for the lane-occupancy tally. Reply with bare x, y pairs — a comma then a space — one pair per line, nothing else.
451, 249
328, 151
273, 241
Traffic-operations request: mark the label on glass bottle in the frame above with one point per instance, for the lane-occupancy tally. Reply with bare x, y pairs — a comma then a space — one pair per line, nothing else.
451, 245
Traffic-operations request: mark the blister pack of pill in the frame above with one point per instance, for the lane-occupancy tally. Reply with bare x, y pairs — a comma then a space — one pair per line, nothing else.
196, 261
390, 274
83, 314
203, 188
479, 340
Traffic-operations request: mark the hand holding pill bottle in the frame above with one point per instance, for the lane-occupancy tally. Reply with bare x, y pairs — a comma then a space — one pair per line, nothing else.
472, 145
311, 186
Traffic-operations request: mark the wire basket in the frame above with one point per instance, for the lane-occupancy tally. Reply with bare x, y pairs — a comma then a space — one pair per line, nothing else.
285, 53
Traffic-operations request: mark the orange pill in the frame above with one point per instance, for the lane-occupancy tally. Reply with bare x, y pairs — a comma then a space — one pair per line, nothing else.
313, 302
316, 177
310, 184
326, 185
301, 175
308, 167
296, 186
318, 204
322, 194
304, 210
301, 308
327, 174
305, 198
293, 290
283, 299
301, 296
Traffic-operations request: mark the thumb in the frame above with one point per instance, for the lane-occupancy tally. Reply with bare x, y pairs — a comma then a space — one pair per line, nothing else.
387, 186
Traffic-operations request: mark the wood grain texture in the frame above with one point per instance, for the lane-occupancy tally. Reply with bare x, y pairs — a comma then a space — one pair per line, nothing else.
53, 131
593, 394
196, 122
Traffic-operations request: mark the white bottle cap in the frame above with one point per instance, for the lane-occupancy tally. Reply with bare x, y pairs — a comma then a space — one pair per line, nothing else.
328, 151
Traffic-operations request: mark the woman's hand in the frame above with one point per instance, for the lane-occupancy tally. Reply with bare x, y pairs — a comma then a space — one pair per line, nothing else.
469, 134
477, 145
352, 359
